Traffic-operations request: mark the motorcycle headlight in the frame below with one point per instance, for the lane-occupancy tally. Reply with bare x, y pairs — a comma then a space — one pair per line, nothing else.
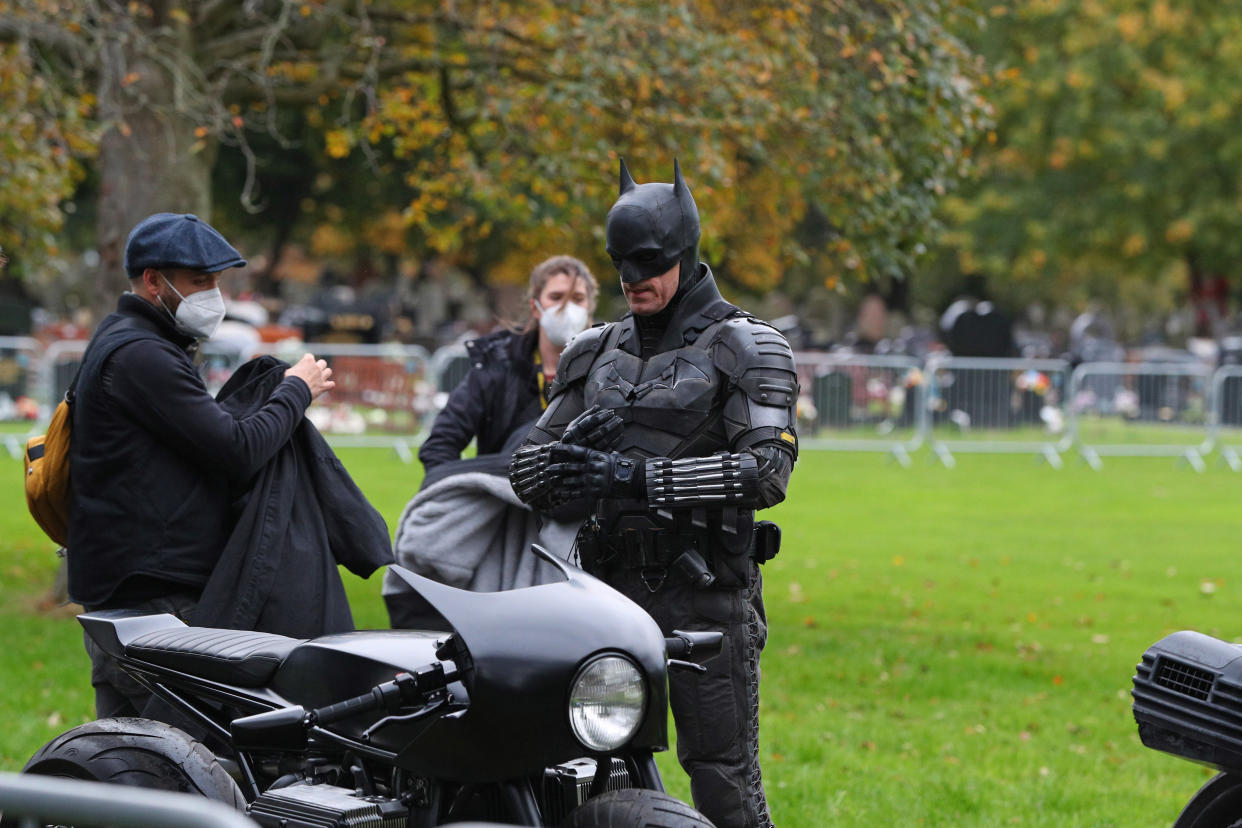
606, 702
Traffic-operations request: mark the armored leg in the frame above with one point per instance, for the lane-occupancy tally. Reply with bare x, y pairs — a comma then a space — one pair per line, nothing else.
716, 713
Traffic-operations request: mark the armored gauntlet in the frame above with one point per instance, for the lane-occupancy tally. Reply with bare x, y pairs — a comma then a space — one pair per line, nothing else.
554, 473
723, 479
596, 428
529, 475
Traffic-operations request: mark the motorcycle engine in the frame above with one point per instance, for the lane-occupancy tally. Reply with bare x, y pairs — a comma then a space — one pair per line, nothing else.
1188, 699
325, 806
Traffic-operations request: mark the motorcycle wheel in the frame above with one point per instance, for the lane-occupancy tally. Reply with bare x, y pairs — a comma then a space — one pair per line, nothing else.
1218, 804
635, 808
138, 752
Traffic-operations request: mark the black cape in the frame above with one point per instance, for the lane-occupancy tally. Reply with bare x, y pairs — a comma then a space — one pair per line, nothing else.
301, 516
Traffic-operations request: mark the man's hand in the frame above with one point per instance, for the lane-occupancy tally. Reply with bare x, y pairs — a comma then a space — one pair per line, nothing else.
315, 373
578, 471
595, 428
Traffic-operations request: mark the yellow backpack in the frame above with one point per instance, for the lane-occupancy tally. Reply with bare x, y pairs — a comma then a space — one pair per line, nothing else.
47, 473
47, 456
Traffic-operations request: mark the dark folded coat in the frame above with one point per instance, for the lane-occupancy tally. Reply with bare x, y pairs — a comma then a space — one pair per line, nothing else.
301, 516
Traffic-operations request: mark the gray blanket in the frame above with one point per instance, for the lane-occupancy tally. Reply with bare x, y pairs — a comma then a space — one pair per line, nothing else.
470, 530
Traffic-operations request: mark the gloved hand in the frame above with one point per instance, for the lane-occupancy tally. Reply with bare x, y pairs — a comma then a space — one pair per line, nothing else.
578, 471
529, 475
595, 428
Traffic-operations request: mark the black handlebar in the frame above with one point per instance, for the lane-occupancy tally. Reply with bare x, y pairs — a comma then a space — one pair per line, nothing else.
703, 645
405, 688
376, 699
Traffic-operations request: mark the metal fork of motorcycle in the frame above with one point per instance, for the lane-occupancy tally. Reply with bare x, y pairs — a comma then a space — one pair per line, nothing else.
519, 798
643, 766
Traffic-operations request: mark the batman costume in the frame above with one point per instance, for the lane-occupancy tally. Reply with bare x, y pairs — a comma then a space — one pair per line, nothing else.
679, 424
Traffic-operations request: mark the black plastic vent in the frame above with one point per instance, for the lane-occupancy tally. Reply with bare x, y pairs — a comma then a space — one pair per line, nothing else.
1184, 679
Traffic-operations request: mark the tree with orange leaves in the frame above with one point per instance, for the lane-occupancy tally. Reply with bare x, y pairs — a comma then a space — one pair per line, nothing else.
820, 134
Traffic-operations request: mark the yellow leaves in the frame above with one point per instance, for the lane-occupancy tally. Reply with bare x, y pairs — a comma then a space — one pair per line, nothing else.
1134, 244
180, 15
387, 233
1164, 18
337, 143
1130, 25
1179, 231
328, 241
642, 89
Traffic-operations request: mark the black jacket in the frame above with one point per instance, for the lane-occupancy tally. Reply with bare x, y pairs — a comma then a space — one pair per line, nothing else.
499, 396
301, 517
155, 461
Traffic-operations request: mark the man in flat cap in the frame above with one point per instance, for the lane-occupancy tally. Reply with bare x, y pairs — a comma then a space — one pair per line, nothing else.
154, 459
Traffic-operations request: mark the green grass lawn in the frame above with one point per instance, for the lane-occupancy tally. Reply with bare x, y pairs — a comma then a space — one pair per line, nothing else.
946, 647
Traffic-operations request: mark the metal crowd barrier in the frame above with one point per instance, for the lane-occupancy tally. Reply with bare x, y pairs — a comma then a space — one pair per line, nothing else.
997, 406
1226, 420
449, 365
19, 385
387, 395
1141, 410
384, 396
859, 402
32, 801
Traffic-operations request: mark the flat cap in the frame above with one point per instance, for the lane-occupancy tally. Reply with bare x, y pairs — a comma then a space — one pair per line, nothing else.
178, 240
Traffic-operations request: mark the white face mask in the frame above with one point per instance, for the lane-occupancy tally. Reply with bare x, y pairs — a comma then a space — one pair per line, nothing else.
564, 323
199, 314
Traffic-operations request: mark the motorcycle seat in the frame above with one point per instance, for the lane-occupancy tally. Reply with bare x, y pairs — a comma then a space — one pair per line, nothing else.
238, 657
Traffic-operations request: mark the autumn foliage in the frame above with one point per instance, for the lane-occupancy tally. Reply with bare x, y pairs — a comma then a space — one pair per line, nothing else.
818, 135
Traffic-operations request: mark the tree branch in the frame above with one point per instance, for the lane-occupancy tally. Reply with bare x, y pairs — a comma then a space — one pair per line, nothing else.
46, 35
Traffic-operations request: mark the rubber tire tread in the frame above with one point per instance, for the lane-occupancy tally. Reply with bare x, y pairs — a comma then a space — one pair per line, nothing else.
635, 808
1218, 804
137, 752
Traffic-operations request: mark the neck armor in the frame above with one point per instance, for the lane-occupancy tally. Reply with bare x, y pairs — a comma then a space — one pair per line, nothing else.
652, 227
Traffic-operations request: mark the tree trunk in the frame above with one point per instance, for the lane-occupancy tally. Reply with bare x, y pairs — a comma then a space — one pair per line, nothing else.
150, 161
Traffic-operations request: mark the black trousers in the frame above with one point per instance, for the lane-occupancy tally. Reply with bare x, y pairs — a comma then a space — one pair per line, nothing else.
716, 713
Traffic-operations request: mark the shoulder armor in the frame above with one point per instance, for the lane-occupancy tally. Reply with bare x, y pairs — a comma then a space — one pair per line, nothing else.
756, 358
577, 357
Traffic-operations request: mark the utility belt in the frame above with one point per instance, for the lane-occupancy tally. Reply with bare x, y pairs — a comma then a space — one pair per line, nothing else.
707, 550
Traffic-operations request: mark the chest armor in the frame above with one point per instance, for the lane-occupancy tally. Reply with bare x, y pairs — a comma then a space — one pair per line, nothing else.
672, 404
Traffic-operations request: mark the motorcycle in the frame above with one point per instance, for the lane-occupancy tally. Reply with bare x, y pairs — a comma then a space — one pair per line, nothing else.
1188, 702
537, 706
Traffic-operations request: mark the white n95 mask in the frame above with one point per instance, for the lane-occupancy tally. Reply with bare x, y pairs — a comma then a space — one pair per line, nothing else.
564, 323
199, 314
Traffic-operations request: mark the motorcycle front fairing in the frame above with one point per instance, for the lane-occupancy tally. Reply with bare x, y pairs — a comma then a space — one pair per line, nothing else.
1188, 699
522, 650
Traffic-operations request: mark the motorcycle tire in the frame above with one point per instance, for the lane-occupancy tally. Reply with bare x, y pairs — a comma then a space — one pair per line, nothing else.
635, 808
1218, 804
138, 752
